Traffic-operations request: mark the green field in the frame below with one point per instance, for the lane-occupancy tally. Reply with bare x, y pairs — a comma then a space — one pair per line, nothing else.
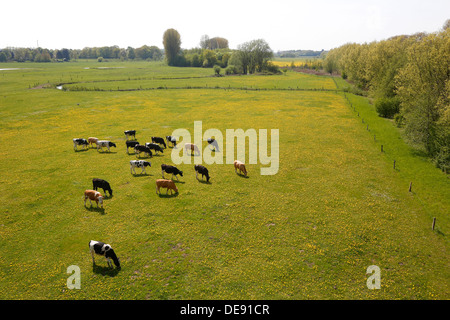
335, 207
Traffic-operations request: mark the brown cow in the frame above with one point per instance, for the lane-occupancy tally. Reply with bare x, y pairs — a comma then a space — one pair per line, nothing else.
92, 140
93, 195
241, 166
163, 183
191, 147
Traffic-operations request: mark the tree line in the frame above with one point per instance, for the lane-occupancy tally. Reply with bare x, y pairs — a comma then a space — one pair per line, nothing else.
107, 52
408, 78
250, 57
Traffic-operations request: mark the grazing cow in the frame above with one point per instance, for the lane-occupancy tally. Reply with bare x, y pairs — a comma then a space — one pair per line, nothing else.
80, 142
131, 144
202, 170
130, 133
141, 148
159, 140
213, 143
100, 183
192, 148
93, 195
154, 146
241, 166
170, 169
171, 139
102, 249
139, 164
105, 143
92, 140
163, 183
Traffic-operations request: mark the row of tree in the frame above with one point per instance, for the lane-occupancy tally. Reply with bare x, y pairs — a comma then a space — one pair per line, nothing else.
250, 57
409, 79
108, 52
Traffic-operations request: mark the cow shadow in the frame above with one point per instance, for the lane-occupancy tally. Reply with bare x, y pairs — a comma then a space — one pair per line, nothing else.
168, 195
137, 175
242, 175
106, 152
81, 150
105, 271
204, 181
95, 209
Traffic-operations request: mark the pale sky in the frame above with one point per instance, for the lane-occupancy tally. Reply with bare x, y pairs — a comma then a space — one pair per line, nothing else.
283, 24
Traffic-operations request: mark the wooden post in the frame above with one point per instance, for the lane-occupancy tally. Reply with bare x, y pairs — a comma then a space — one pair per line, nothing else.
434, 222
410, 186
394, 164
381, 148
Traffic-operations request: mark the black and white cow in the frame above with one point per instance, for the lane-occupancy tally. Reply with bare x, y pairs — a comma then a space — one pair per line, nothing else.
130, 133
103, 184
105, 143
141, 148
213, 143
171, 139
202, 170
154, 146
170, 169
159, 140
103, 249
131, 144
80, 142
139, 164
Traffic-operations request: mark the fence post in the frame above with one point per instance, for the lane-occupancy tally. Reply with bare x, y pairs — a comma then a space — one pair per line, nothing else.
434, 222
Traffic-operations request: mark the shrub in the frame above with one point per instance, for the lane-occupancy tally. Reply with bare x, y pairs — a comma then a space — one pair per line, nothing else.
100, 59
217, 70
387, 107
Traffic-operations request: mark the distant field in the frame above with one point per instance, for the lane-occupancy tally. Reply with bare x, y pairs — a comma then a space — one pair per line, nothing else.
335, 207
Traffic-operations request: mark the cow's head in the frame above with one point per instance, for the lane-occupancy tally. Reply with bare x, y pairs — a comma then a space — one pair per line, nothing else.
112, 144
111, 254
181, 173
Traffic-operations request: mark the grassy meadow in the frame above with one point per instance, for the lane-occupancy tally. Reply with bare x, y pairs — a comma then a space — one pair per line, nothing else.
335, 207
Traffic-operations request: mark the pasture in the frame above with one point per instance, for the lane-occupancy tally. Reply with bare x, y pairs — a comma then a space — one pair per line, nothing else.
335, 207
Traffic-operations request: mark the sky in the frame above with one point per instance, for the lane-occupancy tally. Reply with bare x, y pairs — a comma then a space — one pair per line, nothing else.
283, 24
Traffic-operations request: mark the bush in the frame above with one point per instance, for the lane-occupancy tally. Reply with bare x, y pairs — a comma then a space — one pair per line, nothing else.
100, 59
387, 107
231, 69
217, 70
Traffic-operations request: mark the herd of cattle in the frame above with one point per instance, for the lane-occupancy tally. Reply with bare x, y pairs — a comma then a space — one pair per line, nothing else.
148, 148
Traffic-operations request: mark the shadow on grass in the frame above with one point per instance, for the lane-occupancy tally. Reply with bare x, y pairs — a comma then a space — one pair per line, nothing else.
81, 150
204, 181
137, 175
242, 175
168, 195
96, 209
105, 271
106, 152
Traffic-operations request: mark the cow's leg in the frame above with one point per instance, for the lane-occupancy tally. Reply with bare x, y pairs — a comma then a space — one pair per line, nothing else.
108, 261
162, 172
93, 258
85, 201
157, 189
196, 174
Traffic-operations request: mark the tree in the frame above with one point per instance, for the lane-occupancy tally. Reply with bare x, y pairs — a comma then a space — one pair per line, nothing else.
172, 46
254, 55
204, 41
3, 57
